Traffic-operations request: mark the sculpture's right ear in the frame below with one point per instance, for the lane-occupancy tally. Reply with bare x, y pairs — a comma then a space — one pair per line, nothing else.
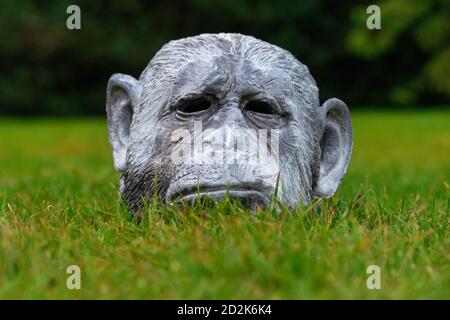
122, 96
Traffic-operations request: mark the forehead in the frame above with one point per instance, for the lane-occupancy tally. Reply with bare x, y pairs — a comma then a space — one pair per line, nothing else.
230, 74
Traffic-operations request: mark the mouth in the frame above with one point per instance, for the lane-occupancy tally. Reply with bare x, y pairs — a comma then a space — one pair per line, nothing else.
248, 197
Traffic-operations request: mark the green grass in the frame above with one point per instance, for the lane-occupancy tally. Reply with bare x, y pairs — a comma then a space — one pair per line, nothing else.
59, 206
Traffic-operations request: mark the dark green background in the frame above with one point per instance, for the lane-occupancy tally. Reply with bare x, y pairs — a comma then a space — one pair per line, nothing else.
46, 69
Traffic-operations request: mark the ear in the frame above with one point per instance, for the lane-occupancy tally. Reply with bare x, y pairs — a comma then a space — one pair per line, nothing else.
122, 97
335, 144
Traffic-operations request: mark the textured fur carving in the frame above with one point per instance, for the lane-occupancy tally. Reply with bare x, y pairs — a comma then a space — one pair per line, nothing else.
315, 141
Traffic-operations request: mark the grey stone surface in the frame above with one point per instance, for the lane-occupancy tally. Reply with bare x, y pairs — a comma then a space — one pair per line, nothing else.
226, 82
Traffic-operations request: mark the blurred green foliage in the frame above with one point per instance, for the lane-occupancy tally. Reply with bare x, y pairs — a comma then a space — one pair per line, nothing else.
48, 69
407, 25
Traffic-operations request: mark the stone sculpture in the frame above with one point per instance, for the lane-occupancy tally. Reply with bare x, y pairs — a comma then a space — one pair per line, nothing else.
194, 125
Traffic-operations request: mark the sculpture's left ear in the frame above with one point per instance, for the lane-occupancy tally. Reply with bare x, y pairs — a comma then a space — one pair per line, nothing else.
122, 96
336, 146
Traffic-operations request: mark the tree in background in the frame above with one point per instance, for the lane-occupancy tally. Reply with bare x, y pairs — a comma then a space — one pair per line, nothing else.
427, 25
47, 69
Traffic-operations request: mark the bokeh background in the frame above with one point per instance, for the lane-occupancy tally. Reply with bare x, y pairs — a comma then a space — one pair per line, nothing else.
59, 202
47, 69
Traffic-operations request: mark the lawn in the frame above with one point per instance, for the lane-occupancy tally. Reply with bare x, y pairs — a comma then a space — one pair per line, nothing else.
59, 206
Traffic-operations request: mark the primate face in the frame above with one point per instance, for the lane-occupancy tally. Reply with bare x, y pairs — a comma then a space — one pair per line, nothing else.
234, 102
217, 115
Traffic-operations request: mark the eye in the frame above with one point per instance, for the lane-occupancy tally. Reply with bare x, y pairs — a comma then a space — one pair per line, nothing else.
259, 106
194, 105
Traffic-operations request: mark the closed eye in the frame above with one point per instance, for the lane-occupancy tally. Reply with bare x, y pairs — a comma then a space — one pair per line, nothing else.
259, 106
194, 105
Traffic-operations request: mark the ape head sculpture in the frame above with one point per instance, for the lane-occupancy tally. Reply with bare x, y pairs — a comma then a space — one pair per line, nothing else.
226, 114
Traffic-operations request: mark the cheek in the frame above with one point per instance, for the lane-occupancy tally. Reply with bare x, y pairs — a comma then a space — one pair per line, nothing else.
299, 137
298, 160
149, 154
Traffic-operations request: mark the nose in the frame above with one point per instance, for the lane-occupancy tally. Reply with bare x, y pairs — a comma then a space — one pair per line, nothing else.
229, 140
230, 114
